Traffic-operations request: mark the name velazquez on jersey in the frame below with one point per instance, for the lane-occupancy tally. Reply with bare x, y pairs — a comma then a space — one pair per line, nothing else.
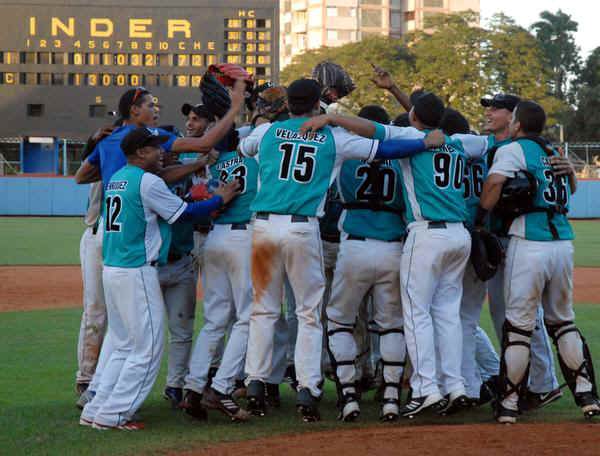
310, 136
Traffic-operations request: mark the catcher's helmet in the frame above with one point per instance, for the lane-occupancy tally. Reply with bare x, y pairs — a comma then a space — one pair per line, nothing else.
518, 195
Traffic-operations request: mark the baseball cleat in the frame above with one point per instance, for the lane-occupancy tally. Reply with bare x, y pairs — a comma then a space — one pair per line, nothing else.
306, 404
420, 404
239, 391
589, 403
255, 398
350, 409
215, 400
86, 397
174, 396
272, 396
192, 405
85, 422
126, 426
390, 410
533, 401
454, 404
505, 415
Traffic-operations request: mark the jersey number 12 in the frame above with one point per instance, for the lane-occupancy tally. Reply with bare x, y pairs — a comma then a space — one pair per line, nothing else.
113, 209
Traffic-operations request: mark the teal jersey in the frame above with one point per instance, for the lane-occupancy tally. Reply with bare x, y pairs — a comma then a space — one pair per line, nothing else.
475, 173
379, 186
229, 166
296, 170
433, 184
182, 233
138, 208
527, 155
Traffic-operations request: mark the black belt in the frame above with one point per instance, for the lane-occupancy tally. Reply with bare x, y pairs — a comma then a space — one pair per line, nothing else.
294, 218
95, 227
154, 263
352, 237
234, 226
174, 256
436, 225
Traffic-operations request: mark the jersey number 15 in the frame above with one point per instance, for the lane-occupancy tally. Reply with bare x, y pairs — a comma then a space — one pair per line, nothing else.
303, 167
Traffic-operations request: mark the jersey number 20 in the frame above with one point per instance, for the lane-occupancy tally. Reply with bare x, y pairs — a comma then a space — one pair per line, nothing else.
303, 168
113, 209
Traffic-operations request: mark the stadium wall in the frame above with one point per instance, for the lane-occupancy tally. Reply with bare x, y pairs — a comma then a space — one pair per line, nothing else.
61, 196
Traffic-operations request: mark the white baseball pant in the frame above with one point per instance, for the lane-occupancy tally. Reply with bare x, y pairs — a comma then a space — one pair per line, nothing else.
542, 374
227, 297
363, 266
431, 276
178, 284
93, 319
136, 314
284, 244
474, 291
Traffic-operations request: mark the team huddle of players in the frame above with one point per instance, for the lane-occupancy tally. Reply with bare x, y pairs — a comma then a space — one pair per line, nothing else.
328, 246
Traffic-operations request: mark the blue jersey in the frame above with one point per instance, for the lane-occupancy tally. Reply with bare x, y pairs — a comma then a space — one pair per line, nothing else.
138, 210
229, 166
108, 156
527, 155
372, 197
295, 169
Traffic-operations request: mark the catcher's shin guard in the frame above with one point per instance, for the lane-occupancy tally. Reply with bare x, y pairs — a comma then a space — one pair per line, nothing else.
392, 370
347, 401
514, 364
575, 362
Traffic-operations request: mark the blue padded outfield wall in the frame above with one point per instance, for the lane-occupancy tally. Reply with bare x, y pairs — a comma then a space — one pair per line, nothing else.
62, 196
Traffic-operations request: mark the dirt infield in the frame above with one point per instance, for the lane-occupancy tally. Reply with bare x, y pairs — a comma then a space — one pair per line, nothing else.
460, 440
54, 287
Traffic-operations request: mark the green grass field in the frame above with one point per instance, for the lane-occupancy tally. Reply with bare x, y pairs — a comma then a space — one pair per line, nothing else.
55, 240
38, 353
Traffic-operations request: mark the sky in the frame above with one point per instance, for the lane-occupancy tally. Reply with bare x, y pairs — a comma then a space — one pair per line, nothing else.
525, 12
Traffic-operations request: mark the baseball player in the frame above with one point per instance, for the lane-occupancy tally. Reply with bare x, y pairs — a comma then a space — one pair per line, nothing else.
539, 265
227, 292
286, 240
93, 319
369, 260
138, 210
437, 242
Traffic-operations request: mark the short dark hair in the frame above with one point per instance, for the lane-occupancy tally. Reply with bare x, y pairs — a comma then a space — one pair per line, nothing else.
531, 116
402, 120
303, 95
375, 113
454, 122
429, 109
133, 97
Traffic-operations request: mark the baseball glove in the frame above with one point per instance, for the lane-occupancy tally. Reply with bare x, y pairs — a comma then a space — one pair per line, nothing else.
487, 253
214, 95
332, 75
227, 73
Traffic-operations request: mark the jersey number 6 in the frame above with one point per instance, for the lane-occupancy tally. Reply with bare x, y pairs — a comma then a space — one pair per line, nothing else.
304, 166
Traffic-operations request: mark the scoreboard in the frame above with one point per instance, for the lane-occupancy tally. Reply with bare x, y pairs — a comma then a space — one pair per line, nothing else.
64, 64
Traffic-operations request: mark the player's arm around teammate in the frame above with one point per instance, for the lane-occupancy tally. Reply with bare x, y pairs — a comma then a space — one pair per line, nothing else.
136, 237
539, 266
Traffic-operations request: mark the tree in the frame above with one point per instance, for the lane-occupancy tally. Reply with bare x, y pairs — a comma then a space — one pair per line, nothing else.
555, 33
590, 74
584, 124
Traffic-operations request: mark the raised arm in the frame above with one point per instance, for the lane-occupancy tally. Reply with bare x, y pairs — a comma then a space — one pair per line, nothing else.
205, 143
176, 173
383, 80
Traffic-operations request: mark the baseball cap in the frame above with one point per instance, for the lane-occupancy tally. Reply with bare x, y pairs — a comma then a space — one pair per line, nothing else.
429, 108
501, 101
303, 94
142, 137
199, 109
